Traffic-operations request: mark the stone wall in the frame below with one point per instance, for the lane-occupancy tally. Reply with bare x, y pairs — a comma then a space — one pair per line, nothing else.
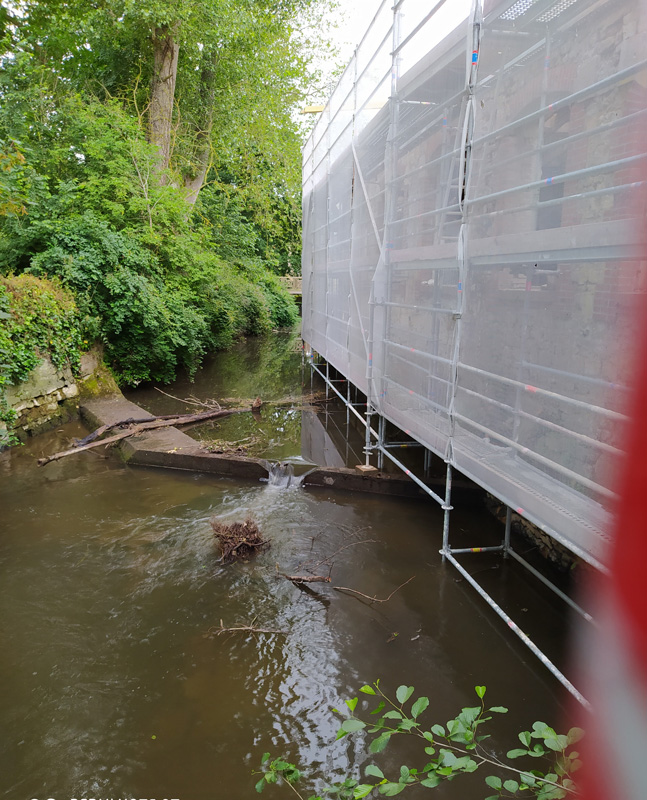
50, 395
550, 549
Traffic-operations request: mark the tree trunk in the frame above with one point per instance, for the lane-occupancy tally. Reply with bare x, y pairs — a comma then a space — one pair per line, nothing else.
165, 49
194, 183
203, 158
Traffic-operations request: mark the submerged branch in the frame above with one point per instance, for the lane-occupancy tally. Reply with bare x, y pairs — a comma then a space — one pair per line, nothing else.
217, 630
368, 597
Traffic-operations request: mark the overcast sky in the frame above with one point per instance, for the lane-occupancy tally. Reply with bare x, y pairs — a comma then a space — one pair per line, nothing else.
356, 16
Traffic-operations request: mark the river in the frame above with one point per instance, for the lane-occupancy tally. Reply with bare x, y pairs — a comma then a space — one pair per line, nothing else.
115, 681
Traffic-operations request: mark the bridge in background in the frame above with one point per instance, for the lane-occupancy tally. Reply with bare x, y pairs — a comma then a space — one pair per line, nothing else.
293, 284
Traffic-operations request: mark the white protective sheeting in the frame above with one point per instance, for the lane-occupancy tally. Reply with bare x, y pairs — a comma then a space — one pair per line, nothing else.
472, 246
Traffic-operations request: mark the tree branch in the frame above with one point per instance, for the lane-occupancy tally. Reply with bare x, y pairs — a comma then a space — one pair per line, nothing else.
368, 597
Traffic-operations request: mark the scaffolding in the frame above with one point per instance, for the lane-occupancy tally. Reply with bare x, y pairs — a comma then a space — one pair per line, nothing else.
472, 193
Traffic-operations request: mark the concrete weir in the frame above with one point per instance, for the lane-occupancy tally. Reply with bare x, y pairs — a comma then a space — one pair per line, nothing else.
171, 449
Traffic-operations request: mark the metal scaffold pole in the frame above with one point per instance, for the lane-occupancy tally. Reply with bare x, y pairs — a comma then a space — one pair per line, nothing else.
455, 220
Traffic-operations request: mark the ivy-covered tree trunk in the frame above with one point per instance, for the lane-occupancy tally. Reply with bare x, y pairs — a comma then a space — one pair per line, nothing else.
160, 119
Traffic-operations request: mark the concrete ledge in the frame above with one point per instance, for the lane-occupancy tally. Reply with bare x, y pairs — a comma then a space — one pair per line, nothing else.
376, 482
169, 448
172, 449
356, 481
108, 410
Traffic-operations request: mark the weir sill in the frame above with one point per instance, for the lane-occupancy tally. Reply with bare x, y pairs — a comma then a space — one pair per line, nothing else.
169, 448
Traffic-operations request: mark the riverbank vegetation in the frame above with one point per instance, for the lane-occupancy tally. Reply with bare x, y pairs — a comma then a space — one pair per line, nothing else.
150, 164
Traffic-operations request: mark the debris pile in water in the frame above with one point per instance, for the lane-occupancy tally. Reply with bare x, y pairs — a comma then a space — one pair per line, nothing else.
237, 540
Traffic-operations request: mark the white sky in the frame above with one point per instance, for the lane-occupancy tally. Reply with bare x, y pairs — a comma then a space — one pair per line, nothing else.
356, 16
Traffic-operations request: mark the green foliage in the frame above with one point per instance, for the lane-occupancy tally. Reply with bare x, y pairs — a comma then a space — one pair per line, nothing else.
449, 751
151, 320
82, 195
37, 318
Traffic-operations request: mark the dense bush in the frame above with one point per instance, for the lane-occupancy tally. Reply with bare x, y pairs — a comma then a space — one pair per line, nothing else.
151, 319
37, 317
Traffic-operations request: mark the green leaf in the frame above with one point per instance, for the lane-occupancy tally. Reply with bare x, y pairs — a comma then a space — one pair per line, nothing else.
352, 704
379, 708
407, 725
499, 709
362, 790
260, 785
377, 745
340, 734
419, 706
403, 693
393, 715
367, 689
352, 725
494, 782
480, 691
541, 730
574, 735
525, 738
449, 759
516, 753
468, 716
511, 786
391, 789
438, 730
556, 743
266, 757
376, 772
431, 782
551, 793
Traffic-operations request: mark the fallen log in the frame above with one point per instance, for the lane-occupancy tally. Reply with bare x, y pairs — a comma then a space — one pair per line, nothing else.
306, 578
140, 425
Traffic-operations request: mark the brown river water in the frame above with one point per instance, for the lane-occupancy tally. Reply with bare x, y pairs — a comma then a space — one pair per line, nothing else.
113, 684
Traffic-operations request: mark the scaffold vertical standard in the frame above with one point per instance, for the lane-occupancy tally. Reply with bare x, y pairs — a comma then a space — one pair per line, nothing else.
474, 241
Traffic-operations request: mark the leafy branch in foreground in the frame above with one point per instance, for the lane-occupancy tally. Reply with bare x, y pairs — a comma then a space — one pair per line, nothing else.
450, 749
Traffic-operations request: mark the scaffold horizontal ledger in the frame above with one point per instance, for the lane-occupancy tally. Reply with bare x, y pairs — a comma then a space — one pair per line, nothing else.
474, 241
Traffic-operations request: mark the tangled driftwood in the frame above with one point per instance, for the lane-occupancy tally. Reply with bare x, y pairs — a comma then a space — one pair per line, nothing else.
134, 426
237, 539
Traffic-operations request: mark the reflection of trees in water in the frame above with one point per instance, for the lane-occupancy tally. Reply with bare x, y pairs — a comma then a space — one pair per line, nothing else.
265, 366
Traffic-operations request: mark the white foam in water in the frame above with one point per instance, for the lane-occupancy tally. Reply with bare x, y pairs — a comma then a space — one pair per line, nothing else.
281, 474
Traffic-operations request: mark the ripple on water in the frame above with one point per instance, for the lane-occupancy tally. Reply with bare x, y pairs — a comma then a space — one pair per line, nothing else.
111, 582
